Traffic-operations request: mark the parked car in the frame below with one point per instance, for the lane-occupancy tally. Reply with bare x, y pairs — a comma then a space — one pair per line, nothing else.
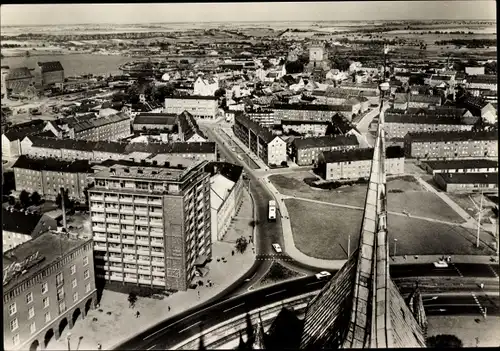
323, 274
441, 264
277, 248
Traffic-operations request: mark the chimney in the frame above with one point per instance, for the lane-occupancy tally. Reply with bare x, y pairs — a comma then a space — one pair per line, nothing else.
63, 208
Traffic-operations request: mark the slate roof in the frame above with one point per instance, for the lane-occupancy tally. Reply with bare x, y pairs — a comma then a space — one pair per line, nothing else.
423, 119
168, 119
262, 132
325, 141
360, 154
188, 125
483, 79
18, 222
304, 107
451, 136
51, 164
229, 170
19, 73
462, 164
99, 122
19, 131
470, 178
52, 66
191, 97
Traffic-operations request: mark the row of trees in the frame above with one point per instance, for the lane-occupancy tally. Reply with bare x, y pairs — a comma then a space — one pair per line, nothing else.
468, 43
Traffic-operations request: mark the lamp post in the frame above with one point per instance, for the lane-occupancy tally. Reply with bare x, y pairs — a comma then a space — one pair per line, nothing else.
395, 242
479, 220
348, 245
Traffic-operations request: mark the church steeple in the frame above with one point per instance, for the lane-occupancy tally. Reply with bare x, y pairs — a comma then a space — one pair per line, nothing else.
258, 343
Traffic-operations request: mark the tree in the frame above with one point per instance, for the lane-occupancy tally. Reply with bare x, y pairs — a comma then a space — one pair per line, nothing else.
68, 204
36, 198
24, 198
133, 94
119, 96
12, 200
132, 299
241, 244
219, 93
444, 341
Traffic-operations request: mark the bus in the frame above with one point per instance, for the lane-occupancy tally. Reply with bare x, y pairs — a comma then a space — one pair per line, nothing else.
272, 210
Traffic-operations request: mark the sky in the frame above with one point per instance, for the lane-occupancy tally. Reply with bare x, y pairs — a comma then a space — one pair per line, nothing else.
234, 12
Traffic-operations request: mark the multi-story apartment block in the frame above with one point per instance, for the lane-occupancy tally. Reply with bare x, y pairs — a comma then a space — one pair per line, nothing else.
461, 166
302, 112
11, 139
398, 125
268, 147
451, 145
70, 150
306, 128
150, 224
154, 121
20, 82
48, 284
473, 71
356, 163
305, 151
467, 182
206, 87
263, 117
479, 107
487, 81
188, 129
404, 101
205, 107
47, 176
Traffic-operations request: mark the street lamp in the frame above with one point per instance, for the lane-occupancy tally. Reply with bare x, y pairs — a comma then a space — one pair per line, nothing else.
69, 338
479, 220
395, 242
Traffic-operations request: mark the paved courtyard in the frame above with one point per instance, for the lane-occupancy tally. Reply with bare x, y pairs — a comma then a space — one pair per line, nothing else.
467, 329
116, 321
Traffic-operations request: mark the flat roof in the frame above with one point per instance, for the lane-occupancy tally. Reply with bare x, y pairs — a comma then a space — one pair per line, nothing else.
470, 178
49, 247
456, 164
134, 171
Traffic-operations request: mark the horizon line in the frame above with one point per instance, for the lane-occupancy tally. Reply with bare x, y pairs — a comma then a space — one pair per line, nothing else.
249, 21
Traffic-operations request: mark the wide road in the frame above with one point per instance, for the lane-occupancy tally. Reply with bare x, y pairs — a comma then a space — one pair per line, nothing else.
189, 323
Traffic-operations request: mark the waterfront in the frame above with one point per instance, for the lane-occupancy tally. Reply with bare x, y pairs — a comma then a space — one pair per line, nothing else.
74, 64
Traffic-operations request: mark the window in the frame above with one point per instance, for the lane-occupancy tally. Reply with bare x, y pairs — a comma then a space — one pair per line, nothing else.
85, 260
13, 324
75, 297
86, 274
15, 339
73, 269
87, 287
31, 312
59, 279
29, 297
32, 328
12, 309
74, 283
46, 302
60, 293
47, 317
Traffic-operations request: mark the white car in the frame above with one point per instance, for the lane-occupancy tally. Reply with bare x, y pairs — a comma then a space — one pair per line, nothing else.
323, 274
277, 248
441, 264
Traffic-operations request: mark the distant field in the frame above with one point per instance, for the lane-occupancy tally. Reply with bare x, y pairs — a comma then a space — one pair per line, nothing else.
403, 194
322, 231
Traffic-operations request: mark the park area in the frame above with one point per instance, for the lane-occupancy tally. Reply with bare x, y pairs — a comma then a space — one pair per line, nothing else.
404, 194
322, 230
277, 273
472, 331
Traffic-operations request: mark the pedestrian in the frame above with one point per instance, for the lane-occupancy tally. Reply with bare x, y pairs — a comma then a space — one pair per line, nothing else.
404, 257
449, 259
168, 308
137, 314
99, 346
482, 285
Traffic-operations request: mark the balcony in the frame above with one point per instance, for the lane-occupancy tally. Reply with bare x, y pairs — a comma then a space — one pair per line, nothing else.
157, 243
126, 200
115, 269
115, 249
98, 218
126, 210
98, 228
143, 281
143, 222
116, 278
141, 201
96, 198
157, 214
98, 247
156, 234
112, 219
129, 270
115, 230
130, 280
128, 251
160, 263
97, 208
114, 259
111, 198
141, 212
158, 274
112, 210
144, 262
142, 242
127, 231
157, 254
128, 241
99, 238
144, 251
158, 282
155, 202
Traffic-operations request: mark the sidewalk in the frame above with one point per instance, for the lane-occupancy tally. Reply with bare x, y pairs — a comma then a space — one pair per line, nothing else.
229, 132
115, 321
299, 256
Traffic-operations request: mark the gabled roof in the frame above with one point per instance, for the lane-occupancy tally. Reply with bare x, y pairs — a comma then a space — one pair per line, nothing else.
470, 178
188, 125
52, 66
462, 164
326, 141
167, 119
220, 187
229, 170
51, 164
18, 222
19, 131
360, 154
262, 132
451, 136
19, 73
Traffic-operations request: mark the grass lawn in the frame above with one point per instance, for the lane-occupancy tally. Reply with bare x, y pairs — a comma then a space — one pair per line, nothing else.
464, 202
404, 193
322, 231
276, 273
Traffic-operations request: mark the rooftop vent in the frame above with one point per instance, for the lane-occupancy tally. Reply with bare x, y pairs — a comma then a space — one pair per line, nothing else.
126, 170
139, 171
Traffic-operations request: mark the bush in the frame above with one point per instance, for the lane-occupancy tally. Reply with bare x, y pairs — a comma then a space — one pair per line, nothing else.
444, 341
241, 244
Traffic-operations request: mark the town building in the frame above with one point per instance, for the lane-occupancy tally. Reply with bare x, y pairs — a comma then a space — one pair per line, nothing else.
305, 151
11, 139
403, 101
48, 285
306, 128
150, 224
479, 107
19, 82
206, 87
461, 166
474, 71
467, 182
154, 121
356, 163
19, 227
188, 129
398, 125
226, 195
365, 88
303, 112
66, 149
486, 81
49, 73
47, 176
451, 145
205, 107
268, 147
263, 117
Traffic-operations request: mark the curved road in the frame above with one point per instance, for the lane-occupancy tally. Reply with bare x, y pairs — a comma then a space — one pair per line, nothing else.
174, 330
